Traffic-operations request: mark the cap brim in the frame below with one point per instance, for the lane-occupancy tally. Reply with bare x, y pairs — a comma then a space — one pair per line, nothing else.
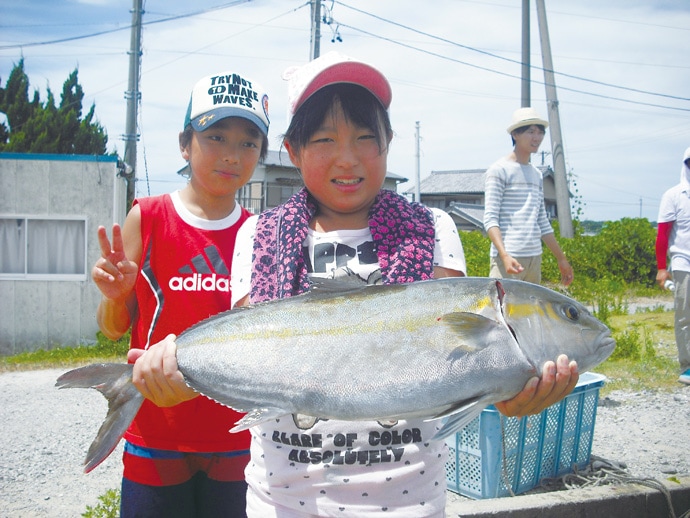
206, 120
353, 72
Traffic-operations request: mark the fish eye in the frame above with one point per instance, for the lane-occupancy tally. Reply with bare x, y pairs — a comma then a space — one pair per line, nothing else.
571, 312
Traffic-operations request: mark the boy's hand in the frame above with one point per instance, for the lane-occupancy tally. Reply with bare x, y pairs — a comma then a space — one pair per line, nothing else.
113, 273
156, 374
557, 381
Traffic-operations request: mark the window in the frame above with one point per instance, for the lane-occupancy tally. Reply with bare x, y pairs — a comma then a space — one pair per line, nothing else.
42, 249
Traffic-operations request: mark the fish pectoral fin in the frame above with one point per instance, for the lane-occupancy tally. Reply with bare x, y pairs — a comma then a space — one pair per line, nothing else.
472, 330
459, 417
304, 422
256, 416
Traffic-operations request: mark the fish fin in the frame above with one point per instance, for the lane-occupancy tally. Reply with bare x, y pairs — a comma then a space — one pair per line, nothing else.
459, 418
472, 330
304, 422
114, 381
351, 286
257, 416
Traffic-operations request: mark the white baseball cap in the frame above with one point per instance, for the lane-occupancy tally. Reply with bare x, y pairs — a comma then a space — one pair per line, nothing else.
227, 94
332, 68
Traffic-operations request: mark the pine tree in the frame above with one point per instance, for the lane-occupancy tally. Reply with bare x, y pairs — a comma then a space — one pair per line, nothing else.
33, 127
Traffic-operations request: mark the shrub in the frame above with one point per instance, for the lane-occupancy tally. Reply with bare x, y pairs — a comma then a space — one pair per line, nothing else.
109, 506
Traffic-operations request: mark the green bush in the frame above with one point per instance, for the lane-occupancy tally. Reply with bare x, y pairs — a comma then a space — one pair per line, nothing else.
109, 506
476, 247
619, 257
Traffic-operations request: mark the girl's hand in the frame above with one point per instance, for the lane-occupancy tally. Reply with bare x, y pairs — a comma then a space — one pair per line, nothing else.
113, 273
557, 381
156, 374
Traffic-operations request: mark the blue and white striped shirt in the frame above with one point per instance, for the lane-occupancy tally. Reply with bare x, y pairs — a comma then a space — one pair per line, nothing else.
514, 202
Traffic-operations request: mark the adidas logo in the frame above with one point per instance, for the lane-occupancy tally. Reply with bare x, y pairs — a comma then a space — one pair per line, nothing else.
198, 282
208, 272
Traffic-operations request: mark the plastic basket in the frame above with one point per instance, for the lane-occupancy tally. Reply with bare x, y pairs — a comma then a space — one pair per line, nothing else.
536, 447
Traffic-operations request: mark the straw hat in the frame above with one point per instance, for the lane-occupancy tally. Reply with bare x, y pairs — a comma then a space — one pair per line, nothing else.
526, 117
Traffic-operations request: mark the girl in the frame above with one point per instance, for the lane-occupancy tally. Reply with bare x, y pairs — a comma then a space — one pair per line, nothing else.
342, 224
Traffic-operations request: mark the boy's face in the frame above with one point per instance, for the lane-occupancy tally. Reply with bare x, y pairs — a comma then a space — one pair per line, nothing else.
529, 140
223, 157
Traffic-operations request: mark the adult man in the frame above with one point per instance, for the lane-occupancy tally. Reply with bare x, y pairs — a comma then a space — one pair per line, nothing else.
514, 214
673, 235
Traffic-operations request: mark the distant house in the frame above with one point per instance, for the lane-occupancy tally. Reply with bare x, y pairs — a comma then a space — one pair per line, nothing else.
461, 194
276, 179
50, 207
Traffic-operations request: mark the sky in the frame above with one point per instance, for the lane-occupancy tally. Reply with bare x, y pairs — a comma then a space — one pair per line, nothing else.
622, 78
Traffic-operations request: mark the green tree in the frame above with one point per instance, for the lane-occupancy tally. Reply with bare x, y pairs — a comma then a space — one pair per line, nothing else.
36, 127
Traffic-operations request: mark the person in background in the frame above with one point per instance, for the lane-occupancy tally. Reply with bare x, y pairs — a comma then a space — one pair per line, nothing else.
515, 217
167, 269
673, 237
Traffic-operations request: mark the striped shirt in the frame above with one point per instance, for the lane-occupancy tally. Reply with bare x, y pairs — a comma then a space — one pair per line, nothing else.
514, 202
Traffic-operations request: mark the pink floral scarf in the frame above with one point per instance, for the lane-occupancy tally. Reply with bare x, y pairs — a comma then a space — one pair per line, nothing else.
403, 232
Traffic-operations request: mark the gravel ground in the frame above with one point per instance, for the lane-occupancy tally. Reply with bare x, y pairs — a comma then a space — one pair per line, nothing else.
46, 432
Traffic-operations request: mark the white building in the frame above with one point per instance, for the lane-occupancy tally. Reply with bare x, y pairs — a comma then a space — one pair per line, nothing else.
50, 208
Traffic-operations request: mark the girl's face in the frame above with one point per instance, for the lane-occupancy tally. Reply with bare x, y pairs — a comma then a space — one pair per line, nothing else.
223, 157
343, 168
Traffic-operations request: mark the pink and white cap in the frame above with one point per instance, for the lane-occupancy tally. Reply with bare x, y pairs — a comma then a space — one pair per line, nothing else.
332, 68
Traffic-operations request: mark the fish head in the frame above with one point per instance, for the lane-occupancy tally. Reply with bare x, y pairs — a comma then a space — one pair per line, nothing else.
546, 323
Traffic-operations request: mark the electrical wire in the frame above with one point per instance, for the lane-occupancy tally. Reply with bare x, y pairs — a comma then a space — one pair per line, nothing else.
126, 27
487, 69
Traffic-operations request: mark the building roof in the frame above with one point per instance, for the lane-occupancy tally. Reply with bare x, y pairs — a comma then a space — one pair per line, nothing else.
282, 159
472, 213
465, 181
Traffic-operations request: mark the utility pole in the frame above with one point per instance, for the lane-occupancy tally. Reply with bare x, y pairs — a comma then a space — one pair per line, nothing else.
133, 96
315, 41
526, 61
565, 221
417, 191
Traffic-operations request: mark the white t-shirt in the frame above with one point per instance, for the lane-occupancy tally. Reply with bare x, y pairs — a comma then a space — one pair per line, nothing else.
343, 468
675, 207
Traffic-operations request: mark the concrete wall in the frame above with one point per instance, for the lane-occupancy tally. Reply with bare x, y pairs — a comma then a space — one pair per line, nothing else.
46, 313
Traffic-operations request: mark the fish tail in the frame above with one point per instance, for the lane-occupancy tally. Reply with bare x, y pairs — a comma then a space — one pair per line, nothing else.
114, 381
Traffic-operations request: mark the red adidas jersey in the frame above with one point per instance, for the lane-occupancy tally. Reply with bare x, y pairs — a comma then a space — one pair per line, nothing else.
184, 277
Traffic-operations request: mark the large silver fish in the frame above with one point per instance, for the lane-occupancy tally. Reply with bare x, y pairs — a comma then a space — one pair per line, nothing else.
435, 349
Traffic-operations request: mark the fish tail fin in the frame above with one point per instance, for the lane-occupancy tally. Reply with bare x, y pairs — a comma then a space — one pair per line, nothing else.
114, 381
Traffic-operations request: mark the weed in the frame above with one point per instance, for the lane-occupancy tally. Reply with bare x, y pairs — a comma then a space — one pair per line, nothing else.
109, 506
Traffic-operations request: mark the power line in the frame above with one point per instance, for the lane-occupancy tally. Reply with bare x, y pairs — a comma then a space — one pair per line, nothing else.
127, 27
490, 54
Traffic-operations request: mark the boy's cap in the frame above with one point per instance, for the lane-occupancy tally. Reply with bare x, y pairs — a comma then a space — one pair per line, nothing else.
227, 94
526, 117
331, 68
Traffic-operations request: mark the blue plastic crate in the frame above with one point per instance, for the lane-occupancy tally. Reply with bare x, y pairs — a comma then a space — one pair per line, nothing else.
536, 447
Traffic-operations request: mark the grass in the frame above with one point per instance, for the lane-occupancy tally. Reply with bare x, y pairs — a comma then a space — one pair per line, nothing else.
646, 356
103, 350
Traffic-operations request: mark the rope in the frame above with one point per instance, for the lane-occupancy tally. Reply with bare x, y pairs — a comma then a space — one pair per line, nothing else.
600, 472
